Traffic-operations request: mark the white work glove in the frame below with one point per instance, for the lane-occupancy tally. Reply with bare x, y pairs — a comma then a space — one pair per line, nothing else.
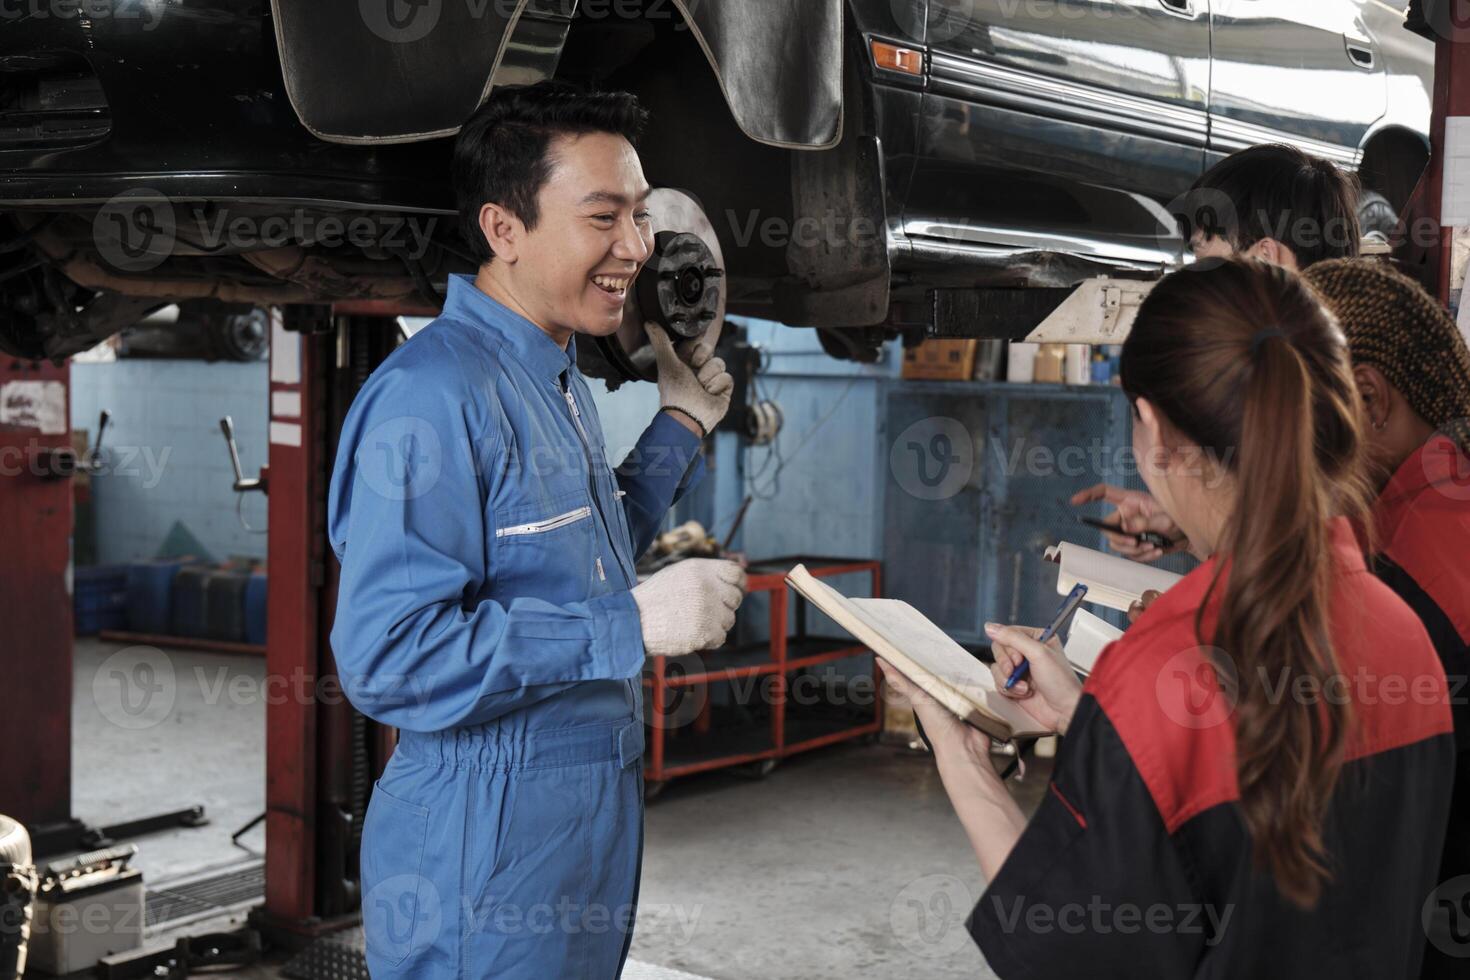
691, 378
689, 605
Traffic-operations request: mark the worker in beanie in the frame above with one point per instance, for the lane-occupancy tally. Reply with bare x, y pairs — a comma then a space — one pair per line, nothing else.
1413, 371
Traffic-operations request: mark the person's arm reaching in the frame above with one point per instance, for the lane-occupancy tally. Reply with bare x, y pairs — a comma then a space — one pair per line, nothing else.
665, 465
1136, 512
694, 392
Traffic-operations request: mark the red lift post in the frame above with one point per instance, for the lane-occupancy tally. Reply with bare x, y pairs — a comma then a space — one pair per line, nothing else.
36, 460
1450, 21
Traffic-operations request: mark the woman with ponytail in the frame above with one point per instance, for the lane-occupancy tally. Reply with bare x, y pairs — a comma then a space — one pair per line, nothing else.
1255, 778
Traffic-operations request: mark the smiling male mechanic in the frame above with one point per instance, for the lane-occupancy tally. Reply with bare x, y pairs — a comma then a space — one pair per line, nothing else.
488, 605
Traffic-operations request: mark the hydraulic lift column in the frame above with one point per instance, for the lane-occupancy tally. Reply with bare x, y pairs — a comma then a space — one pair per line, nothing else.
36, 461
321, 755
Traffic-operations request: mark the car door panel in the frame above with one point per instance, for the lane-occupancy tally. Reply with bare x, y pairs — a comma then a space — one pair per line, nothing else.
1309, 74
1098, 108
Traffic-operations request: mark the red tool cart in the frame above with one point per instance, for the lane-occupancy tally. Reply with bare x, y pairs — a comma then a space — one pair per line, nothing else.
751, 704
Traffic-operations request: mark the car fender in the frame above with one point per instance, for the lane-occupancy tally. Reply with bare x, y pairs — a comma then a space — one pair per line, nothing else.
396, 71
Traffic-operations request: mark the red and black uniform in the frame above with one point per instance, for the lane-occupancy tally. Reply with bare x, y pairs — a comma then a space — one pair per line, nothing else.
1422, 522
1138, 863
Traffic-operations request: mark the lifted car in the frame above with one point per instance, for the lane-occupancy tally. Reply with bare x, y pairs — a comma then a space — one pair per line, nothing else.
865, 166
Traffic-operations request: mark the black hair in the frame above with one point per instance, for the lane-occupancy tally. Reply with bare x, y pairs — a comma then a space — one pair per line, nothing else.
1276, 191
501, 153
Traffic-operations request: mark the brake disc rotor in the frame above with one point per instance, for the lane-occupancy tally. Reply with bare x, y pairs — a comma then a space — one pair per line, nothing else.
681, 287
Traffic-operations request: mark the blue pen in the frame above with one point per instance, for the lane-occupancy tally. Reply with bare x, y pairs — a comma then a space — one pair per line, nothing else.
1069, 606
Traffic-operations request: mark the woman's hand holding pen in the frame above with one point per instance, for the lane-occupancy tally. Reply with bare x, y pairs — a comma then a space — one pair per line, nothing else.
1136, 513
1050, 690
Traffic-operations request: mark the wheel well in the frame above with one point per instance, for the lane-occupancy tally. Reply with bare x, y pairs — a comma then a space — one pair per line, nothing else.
765, 203
1393, 162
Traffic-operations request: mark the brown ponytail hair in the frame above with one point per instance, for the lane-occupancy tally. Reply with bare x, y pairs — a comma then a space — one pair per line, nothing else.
1241, 360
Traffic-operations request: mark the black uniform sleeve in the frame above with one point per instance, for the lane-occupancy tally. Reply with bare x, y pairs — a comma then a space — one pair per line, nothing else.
1095, 887
1454, 652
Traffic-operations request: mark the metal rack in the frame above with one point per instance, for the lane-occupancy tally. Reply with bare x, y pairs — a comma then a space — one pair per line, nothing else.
678, 713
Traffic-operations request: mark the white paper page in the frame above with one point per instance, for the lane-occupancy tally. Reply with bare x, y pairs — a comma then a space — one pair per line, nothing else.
1087, 640
909, 635
1111, 581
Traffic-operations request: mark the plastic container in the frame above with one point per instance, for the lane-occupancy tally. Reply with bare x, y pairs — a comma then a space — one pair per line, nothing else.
1021, 362
1079, 364
188, 613
1051, 364
224, 606
100, 598
255, 596
150, 587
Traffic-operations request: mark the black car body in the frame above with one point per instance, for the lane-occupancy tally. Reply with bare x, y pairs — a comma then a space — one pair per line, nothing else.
224, 151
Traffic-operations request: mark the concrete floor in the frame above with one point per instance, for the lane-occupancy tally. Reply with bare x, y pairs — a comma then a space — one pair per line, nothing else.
156, 730
845, 862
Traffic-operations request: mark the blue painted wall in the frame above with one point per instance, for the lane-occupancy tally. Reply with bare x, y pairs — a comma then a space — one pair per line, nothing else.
817, 487
164, 457
830, 487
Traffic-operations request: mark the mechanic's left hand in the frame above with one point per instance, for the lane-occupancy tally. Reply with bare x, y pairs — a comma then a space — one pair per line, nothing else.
690, 378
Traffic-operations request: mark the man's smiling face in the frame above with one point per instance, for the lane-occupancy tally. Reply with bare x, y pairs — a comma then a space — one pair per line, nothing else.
572, 272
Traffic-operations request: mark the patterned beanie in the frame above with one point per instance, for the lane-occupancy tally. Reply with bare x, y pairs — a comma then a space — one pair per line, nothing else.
1394, 325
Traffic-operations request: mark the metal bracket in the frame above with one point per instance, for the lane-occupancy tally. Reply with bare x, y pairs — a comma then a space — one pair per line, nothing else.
1099, 311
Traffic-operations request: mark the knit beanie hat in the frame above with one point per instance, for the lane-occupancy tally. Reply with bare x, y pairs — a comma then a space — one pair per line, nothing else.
1394, 325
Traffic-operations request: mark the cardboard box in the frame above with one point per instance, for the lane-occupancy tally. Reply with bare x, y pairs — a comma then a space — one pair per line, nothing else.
941, 360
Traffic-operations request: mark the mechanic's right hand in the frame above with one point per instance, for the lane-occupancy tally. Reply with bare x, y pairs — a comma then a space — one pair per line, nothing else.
1050, 690
689, 605
1137, 512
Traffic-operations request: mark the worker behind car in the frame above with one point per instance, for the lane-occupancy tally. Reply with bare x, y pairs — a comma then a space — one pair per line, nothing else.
1241, 792
1413, 372
1270, 202
489, 608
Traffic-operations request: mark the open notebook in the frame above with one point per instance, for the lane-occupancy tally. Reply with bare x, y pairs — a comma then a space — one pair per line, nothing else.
1111, 581
921, 651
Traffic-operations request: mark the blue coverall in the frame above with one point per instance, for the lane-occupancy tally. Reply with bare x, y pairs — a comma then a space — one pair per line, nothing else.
484, 610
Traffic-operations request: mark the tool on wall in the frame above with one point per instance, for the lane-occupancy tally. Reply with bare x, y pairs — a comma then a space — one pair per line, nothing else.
242, 485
